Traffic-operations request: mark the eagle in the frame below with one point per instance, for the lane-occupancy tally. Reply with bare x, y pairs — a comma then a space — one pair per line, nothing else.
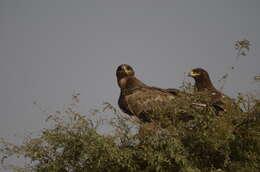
140, 100
205, 88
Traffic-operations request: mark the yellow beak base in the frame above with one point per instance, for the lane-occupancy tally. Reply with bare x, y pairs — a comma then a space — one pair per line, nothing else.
193, 74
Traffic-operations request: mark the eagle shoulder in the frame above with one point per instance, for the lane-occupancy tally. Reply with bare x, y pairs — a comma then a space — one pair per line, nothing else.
147, 100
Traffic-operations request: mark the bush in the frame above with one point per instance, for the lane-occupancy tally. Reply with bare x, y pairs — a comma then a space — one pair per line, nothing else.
206, 141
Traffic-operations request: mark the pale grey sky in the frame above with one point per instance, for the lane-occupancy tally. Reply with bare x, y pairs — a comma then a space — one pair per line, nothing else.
48, 48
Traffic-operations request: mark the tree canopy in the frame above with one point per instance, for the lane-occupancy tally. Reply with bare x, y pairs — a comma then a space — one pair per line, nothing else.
229, 141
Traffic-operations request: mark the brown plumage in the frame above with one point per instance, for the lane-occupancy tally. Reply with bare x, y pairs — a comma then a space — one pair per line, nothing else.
205, 88
139, 99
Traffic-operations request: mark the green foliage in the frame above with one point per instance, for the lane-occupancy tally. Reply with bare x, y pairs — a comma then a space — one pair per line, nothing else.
242, 47
206, 141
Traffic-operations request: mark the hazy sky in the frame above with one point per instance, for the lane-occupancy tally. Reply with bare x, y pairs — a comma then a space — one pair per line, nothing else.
49, 48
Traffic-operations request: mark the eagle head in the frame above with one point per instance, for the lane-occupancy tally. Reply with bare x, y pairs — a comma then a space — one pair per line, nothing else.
198, 74
202, 80
124, 70
126, 77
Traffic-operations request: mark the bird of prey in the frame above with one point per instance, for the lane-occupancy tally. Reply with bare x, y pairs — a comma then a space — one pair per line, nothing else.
206, 89
139, 99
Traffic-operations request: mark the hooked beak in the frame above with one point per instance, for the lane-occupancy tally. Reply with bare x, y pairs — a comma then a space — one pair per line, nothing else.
193, 74
126, 70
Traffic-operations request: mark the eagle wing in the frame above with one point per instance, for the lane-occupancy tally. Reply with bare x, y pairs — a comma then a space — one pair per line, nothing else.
218, 100
142, 102
177, 92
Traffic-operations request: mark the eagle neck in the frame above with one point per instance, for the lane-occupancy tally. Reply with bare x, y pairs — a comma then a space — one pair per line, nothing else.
130, 83
204, 84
